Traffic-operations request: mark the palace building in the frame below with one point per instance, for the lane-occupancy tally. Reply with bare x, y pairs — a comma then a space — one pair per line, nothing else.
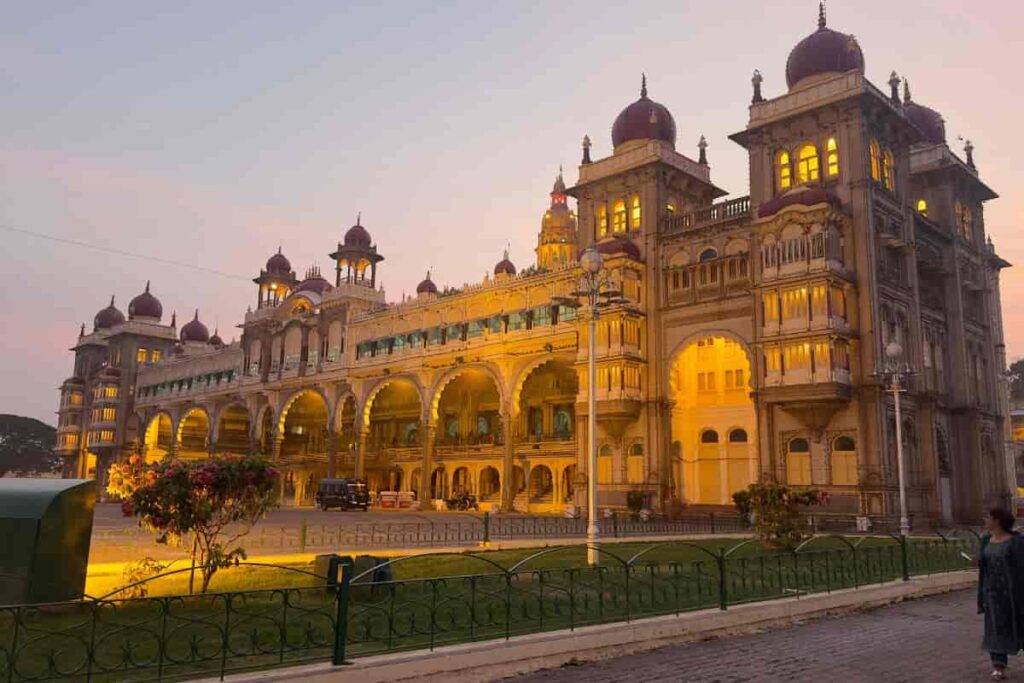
745, 346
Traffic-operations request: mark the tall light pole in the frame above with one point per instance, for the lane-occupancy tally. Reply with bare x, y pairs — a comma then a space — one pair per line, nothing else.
894, 374
594, 291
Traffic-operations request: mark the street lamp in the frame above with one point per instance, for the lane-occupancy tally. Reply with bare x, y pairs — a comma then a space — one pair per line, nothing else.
894, 374
595, 290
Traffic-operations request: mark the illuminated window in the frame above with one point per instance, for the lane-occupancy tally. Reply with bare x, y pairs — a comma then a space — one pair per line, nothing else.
154, 356
798, 462
807, 164
619, 217
876, 169
772, 359
783, 173
635, 464
109, 414
771, 307
602, 220
844, 461
110, 391
888, 179
794, 303
831, 158
797, 356
922, 207
634, 213
140, 356
75, 399
604, 465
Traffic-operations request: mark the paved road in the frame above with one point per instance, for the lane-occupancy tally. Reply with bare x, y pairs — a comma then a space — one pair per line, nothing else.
933, 639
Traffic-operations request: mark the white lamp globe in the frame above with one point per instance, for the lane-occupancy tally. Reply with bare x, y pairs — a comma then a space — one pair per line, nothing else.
893, 350
591, 260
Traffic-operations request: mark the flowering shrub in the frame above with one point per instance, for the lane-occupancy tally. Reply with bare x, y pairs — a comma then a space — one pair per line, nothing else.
200, 498
774, 511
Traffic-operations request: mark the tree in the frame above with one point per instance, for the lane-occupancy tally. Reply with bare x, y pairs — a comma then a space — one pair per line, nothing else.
201, 499
774, 511
26, 446
1016, 377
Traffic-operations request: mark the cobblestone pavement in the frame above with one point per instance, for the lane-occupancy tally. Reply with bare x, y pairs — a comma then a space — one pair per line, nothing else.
931, 639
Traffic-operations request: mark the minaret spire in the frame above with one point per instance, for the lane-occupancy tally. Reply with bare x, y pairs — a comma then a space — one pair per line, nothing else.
821, 15
643, 84
906, 91
147, 286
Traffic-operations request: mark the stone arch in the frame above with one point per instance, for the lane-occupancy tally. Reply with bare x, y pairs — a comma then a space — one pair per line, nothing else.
158, 436
450, 376
467, 407
489, 485
524, 373
310, 426
282, 413
232, 429
363, 411
693, 337
541, 487
192, 432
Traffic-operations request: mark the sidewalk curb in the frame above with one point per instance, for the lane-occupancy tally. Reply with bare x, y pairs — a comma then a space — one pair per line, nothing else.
491, 660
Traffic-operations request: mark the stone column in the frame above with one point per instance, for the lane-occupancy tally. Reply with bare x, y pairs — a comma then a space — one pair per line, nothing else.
427, 466
507, 493
360, 468
332, 454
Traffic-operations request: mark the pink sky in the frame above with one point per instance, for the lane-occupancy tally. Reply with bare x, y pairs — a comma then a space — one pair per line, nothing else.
210, 134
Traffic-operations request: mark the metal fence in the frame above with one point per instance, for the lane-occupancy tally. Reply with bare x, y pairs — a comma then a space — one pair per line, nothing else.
368, 613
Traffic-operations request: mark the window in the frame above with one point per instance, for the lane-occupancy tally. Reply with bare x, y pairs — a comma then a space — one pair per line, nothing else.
705, 381
635, 464
831, 158
772, 359
794, 303
783, 173
819, 301
798, 462
634, 213
708, 255
110, 391
140, 356
876, 172
822, 355
709, 436
738, 436
734, 379
888, 179
109, 414
619, 217
675, 280
922, 207
797, 356
604, 465
602, 220
807, 164
818, 245
844, 461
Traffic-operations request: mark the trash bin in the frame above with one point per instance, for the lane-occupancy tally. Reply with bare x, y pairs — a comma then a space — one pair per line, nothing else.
327, 566
45, 529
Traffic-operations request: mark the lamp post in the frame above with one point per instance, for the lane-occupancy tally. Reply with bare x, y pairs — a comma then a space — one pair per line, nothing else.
594, 291
894, 374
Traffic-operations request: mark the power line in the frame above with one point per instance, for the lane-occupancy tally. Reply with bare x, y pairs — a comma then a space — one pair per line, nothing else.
122, 252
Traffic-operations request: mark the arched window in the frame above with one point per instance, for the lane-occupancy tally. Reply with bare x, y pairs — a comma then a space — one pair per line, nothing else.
635, 464
876, 161
844, 461
831, 158
619, 217
604, 465
798, 462
738, 436
888, 179
709, 436
922, 207
634, 213
708, 254
807, 164
602, 220
783, 172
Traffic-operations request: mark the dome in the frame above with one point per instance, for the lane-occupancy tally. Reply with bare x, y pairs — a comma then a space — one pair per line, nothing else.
108, 317
928, 120
357, 236
215, 340
279, 264
427, 286
195, 331
619, 245
145, 305
314, 282
645, 119
505, 266
824, 51
802, 196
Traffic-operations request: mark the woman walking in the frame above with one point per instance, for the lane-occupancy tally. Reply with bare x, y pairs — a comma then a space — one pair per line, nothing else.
1001, 589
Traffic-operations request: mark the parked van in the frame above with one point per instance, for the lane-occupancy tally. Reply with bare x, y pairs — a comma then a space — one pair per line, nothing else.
343, 494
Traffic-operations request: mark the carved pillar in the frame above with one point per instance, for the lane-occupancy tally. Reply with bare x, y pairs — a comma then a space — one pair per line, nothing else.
275, 451
508, 494
360, 469
332, 454
429, 434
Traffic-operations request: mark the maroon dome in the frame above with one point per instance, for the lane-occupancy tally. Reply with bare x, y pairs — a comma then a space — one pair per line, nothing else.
805, 197
824, 51
928, 120
195, 331
108, 317
278, 263
645, 119
619, 245
215, 340
357, 236
314, 282
145, 305
427, 286
505, 266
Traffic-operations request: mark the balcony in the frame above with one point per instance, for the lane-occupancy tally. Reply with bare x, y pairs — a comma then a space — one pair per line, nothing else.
723, 212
